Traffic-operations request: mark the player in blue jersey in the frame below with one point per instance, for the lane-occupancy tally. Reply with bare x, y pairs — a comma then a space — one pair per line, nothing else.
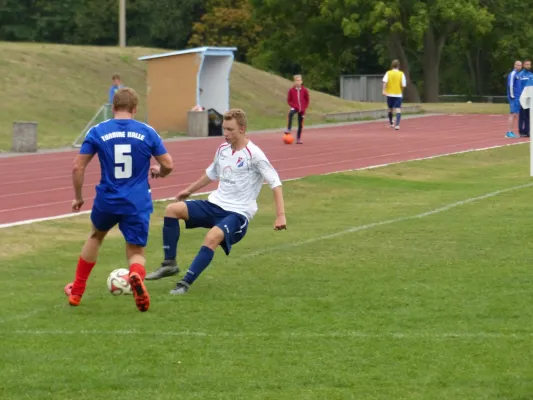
513, 96
523, 118
124, 147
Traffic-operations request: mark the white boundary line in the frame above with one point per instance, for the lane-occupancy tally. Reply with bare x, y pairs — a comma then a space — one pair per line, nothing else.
386, 222
325, 126
300, 335
70, 215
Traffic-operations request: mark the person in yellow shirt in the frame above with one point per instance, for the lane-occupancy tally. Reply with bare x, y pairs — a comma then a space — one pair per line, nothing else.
394, 83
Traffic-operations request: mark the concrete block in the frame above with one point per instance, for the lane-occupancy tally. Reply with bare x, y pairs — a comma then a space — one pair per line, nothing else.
24, 137
198, 124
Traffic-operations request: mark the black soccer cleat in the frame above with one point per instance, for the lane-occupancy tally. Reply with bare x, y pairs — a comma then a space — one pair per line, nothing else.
167, 268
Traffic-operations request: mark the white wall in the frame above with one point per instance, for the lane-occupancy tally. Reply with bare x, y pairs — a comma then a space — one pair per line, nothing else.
214, 80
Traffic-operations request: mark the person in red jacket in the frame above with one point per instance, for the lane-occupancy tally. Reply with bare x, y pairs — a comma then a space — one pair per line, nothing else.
298, 100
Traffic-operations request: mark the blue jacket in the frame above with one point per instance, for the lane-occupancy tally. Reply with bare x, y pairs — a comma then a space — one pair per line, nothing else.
523, 77
513, 85
112, 91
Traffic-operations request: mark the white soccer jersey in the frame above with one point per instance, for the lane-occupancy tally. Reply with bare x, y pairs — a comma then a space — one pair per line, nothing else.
241, 176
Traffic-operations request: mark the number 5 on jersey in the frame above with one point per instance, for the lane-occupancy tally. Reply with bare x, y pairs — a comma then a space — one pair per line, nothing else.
123, 157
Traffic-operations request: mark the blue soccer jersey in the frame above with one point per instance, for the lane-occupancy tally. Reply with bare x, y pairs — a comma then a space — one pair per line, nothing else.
124, 148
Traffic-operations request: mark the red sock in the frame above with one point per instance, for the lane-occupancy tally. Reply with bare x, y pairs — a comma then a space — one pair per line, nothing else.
83, 270
139, 269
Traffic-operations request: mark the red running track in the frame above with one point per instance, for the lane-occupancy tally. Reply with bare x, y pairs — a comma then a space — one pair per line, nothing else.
39, 185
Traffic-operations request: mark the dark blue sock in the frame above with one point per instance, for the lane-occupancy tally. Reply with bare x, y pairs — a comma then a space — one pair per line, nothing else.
200, 262
390, 117
171, 235
398, 117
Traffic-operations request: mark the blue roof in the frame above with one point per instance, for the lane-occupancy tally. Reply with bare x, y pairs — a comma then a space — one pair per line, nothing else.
188, 51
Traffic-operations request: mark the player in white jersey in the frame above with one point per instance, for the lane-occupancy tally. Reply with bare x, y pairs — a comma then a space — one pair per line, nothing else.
241, 169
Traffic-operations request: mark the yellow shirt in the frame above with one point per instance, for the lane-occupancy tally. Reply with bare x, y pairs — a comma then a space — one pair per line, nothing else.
395, 82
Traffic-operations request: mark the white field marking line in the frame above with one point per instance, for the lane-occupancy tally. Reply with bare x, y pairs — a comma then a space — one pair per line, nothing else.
28, 314
274, 160
327, 126
300, 335
96, 173
387, 222
70, 215
63, 188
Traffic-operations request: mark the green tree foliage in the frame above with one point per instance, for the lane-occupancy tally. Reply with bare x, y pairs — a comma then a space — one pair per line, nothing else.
452, 46
227, 23
298, 38
169, 22
17, 20
161, 23
413, 30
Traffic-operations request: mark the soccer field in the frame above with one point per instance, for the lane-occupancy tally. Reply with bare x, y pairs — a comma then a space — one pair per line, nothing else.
411, 281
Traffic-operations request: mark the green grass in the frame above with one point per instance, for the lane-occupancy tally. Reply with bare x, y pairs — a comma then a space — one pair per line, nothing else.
436, 307
61, 87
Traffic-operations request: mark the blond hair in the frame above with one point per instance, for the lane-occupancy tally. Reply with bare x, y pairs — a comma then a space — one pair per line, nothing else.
238, 115
297, 76
125, 99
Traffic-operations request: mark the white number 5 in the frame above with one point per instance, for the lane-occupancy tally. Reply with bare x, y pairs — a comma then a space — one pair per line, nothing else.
123, 156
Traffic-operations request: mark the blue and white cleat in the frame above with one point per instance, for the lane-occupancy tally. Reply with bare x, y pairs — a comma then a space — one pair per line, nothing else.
510, 135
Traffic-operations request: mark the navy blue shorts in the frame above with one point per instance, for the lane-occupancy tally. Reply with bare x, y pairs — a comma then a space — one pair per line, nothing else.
394, 102
134, 227
203, 214
514, 106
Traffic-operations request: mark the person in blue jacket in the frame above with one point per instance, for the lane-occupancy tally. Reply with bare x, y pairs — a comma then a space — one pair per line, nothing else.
513, 96
523, 116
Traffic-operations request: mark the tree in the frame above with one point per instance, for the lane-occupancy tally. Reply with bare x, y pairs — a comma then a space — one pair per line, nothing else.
171, 21
16, 20
227, 23
297, 38
414, 29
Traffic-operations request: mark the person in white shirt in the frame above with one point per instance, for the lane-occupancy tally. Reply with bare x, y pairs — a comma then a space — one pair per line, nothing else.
241, 169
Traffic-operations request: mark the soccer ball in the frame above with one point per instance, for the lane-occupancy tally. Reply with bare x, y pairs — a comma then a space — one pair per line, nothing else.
118, 283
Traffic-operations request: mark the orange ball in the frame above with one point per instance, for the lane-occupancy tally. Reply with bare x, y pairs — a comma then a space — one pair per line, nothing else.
288, 139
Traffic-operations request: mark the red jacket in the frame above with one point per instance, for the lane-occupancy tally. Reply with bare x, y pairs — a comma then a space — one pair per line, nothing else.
298, 99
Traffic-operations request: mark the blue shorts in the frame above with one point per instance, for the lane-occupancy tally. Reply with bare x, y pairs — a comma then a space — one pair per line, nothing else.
203, 214
514, 105
134, 227
394, 102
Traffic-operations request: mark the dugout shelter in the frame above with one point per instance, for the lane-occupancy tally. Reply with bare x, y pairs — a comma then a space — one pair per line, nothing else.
174, 81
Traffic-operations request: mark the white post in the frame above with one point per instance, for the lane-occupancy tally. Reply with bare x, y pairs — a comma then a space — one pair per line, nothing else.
525, 101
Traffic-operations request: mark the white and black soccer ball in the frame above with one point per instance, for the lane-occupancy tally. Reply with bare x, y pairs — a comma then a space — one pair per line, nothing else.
118, 282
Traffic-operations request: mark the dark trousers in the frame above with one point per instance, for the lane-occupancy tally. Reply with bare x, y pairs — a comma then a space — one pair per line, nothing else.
523, 121
300, 122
